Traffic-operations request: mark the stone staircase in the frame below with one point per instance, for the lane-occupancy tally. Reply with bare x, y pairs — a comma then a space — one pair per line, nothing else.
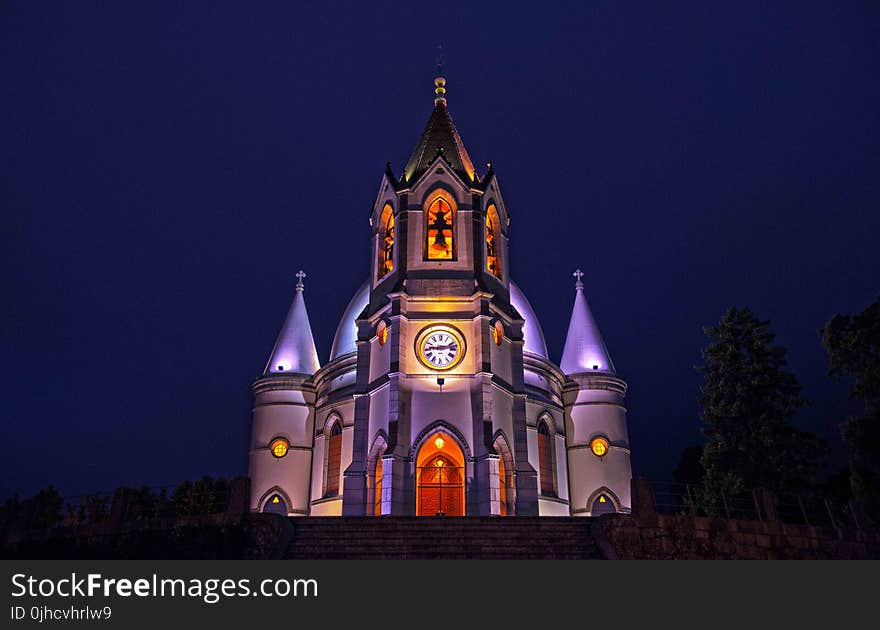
409, 537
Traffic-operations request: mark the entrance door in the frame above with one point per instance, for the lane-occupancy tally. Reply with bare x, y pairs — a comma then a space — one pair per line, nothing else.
440, 478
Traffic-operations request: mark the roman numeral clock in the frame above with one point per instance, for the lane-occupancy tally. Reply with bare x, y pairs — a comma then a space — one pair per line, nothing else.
440, 347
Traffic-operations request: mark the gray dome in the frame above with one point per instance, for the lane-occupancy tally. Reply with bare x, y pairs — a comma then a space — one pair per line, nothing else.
345, 341
533, 336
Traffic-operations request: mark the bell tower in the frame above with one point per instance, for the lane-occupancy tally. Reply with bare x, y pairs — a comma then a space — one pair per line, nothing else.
439, 344
439, 396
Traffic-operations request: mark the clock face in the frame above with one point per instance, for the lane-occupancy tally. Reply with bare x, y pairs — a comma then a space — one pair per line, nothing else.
440, 348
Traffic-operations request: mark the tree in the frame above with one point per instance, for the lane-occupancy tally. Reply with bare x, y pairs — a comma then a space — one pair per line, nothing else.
47, 507
748, 400
690, 468
853, 346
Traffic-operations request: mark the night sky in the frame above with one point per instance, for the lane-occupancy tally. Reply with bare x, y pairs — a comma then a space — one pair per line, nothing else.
167, 168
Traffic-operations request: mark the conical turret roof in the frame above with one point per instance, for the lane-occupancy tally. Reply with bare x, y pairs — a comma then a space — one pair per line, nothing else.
294, 349
440, 135
584, 349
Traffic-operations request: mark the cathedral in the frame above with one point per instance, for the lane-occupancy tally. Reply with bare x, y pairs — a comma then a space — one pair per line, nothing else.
439, 397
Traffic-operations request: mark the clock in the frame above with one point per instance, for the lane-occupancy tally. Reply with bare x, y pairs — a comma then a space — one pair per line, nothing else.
440, 347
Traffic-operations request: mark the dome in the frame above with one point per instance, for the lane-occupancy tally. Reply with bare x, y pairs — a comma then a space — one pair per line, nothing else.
533, 336
345, 341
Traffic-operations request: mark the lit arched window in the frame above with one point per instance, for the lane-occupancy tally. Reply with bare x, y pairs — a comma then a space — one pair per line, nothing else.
386, 241
334, 458
493, 234
439, 221
502, 486
377, 488
545, 459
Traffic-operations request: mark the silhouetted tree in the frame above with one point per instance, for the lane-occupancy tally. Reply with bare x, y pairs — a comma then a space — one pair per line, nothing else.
689, 468
748, 399
853, 345
47, 507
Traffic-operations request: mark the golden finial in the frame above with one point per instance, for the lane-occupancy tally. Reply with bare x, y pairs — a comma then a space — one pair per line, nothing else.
440, 80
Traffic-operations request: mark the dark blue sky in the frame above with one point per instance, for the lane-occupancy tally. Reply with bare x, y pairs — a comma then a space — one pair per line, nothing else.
167, 167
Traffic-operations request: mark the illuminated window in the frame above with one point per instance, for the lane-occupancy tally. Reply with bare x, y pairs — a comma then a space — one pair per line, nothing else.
279, 447
498, 333
599, 446
382, 333
545, 460
439, 230
493, 232
334, 457
386, 241
377, 488
502, 486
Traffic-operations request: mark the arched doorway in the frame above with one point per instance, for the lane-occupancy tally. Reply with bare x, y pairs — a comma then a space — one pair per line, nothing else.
440, 477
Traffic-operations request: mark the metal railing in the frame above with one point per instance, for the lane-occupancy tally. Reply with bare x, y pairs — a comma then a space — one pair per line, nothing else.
757, 505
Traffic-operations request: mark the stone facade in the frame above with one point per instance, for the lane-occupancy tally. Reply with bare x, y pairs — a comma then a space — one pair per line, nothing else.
518, 432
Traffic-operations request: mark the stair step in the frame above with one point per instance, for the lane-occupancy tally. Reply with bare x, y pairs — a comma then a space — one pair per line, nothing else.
419, 537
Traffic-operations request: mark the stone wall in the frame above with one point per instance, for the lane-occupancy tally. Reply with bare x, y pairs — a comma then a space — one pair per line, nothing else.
651, 536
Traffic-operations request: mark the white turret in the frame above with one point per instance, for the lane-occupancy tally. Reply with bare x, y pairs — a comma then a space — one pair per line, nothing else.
584, 349
284, 419
294, 349
598, 447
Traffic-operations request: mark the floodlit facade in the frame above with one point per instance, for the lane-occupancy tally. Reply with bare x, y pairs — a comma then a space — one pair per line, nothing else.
439, 396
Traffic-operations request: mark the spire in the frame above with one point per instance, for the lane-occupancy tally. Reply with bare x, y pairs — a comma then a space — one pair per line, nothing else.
439, 137
584, 350
294, 349
440, 80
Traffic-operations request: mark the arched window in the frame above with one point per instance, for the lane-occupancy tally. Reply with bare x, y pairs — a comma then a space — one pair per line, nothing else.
386, 241
377, 488
545, 459
506, 492
602, 505
334, 457
493, 234
502, 486
439, 233
275, 505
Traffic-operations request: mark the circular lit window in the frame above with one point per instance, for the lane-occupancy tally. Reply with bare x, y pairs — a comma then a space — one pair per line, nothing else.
382, 333
498, 333
279, 447
599, 446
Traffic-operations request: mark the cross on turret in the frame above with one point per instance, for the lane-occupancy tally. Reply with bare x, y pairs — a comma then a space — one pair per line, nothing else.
299, 279
578, 274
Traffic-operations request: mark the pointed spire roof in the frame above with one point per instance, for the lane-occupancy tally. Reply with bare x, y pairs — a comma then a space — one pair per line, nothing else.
294, 349
584, 350
440, 136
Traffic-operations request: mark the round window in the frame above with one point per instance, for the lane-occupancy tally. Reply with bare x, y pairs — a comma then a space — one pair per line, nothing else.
279, 447
599, 446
